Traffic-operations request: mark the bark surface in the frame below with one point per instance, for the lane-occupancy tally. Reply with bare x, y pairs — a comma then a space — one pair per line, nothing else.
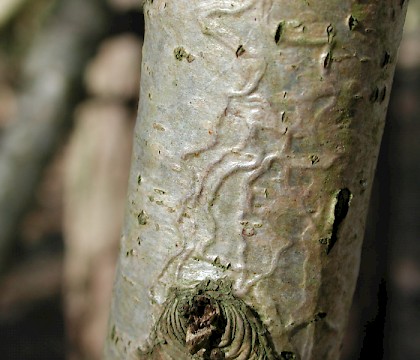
256, 143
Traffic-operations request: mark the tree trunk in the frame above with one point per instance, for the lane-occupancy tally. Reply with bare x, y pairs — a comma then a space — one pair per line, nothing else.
259, 128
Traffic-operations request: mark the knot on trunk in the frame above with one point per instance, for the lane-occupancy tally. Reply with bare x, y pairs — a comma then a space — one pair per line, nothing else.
209, 322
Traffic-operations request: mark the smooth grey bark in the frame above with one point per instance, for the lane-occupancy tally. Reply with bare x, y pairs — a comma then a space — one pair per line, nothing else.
257, 138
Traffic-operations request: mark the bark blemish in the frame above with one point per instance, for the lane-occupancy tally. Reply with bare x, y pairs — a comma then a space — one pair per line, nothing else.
248, 229
131, 252
180, 53
319, 316
393, 15
382, 95
363, 185
374, 96
113, 335
158, 127
341, 208
240, 51
142, 218
386, 59
314, 159
287, 355
353, 22
328, 60
279, 32
217, 262
330, 33
113, 332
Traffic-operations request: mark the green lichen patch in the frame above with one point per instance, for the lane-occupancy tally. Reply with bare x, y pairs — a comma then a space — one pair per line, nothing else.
180, 54
142, 218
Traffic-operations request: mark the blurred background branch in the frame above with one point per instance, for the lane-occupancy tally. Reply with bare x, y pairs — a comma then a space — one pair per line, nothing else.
66, 122
8, 10
51, 87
